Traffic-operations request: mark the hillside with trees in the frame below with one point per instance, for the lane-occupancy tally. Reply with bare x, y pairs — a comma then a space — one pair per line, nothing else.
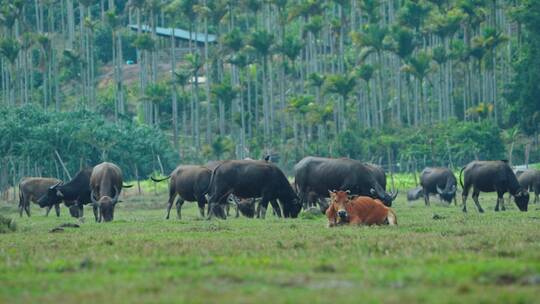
151, 83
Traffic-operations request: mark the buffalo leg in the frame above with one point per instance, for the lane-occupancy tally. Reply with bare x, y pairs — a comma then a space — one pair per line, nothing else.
202, 202
426, 198
263, 205
276, 208
27, 208
312, 199
536, 195
57, 209
21, 205
475, 196
172, 195
216, 203
303, 199
48, 210
179, 203
95, 209
500, 200
464, 196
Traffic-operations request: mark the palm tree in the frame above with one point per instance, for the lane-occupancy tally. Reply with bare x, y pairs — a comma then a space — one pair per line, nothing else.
113, 21
403, 46
26, 41
342, 85
365, 72
316, 80
195, 63
144, 43
225, 93
419, 67
45, 43
9, 48
372, 40
203, 11
291, 48
261, 41
180, 78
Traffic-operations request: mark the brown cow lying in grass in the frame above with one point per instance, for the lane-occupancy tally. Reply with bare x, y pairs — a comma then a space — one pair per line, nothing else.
357, 210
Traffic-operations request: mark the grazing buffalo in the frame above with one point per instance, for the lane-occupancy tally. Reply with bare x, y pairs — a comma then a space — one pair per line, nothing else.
530, 180
439, 181
31, 189
318, 175
190, 183
74, 193
252, 179
358, 210
415, 193
105, 185
491, 176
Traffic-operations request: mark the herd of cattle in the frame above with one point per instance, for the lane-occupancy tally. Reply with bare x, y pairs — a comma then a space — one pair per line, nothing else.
357, 190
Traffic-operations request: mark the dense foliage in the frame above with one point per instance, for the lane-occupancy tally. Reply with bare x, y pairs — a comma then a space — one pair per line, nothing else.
30, 139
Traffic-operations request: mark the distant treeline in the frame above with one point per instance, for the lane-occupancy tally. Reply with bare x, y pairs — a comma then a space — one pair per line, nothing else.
37, 143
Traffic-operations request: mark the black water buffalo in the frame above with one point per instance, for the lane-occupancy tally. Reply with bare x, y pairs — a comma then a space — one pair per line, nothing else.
439, 181
31, 189
106, 186
245, 206
415, 193
251, 179
74, 193
190, 183
319, 175
491, 176
530, 180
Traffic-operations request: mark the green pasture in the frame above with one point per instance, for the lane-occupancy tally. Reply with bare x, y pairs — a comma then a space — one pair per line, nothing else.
436, 254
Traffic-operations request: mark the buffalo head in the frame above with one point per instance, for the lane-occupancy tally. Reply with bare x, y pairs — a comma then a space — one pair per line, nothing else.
447, 195
53, 196
106, 205
386, 198
522, 199
246, 206
295, 208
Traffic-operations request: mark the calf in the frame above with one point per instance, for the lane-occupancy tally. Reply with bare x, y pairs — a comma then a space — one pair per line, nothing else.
358, 210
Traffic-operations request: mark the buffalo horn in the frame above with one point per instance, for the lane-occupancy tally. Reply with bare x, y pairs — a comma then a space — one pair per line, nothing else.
393, 195
439, 190
55, 185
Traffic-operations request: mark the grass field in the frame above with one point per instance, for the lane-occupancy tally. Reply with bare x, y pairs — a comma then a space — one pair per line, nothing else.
140, 257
